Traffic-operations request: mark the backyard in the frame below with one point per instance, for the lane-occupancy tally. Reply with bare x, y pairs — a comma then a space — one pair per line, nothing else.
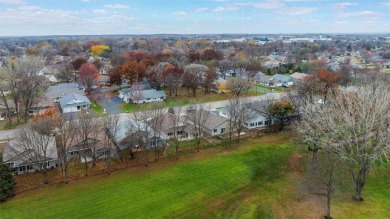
260, 178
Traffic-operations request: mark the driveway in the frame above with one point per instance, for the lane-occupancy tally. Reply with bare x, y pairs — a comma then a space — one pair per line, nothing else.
109, 105
117, 100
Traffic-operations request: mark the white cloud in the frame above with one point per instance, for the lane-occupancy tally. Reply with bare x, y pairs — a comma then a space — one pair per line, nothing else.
179, 14
269, 4
360, 14
227, 8
201, 9
99, 11
297, 10
343, 5
116, 6
386, 4
13, 2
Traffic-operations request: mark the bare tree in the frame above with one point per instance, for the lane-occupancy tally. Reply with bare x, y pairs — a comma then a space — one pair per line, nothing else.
193, 76
355, 127
264, 108
4, 100
178, 125
87, 126
198, 115
238, 86
66, 133
243, 114
156, 112
224, 66
111, 126
23, 82
321, 177
38, 144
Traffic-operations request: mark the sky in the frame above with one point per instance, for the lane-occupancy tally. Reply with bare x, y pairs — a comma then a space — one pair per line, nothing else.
99, 17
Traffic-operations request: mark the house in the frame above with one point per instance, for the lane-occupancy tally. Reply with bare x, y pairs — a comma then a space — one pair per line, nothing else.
386, 65
88, 147
142, 96
297, 76
259, 77
185, 130
279, 80
25, 161
215, 125
254, 119
130, 134
73, 103
56, 92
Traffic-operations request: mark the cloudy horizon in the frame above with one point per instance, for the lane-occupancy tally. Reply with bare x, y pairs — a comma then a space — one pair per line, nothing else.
103, 17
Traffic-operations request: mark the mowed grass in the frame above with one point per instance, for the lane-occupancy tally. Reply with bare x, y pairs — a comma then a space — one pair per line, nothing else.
184, 99
257, 179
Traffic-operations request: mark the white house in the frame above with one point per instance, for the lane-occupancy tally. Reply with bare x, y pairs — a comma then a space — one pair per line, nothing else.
74, 103
23, 161
142, 96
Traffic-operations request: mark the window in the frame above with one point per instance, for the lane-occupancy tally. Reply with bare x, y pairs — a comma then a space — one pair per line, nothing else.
147, 98
246, 124
169, 133
215, 130
252, 124
266, 122
104, 153
30, 167
260, 123
180, 132
222, 130
22, 168
78, 107
10, 165
162, 98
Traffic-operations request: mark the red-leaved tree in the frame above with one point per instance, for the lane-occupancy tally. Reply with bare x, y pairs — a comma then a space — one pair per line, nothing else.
88, 75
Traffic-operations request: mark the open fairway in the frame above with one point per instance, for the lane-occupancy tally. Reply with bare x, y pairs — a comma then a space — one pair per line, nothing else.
255, 179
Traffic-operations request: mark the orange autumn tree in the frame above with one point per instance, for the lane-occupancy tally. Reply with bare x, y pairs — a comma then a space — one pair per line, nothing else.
50, 113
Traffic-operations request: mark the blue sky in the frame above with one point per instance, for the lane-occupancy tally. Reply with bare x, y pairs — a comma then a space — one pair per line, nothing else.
69, 17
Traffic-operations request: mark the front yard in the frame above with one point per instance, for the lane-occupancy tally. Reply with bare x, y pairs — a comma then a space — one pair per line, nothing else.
183, 99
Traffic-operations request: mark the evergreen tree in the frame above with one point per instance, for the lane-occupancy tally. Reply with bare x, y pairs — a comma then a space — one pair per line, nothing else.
7, 182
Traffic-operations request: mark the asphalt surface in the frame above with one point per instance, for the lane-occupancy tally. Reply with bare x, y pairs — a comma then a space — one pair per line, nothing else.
7, 134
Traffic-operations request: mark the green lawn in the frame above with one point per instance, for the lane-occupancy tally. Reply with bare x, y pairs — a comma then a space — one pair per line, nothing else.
277, 89
183, 99
254, 180
96, 107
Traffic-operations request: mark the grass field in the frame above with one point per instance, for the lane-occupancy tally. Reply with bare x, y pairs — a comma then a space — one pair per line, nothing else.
257, 179
183, 99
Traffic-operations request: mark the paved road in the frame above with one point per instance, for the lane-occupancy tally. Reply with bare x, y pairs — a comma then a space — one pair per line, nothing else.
212, 105
107, 103
7, 134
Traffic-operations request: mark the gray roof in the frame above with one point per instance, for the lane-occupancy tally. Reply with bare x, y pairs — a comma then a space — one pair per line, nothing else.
14, 152
61, 90
73, 99
145, 94
281, 78
213, 120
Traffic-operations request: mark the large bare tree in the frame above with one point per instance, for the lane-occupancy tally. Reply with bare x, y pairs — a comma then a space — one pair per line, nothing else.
111, 126
38, 144
354, 126
23, 82
198, 115
238, 86
87, 125
66, 134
